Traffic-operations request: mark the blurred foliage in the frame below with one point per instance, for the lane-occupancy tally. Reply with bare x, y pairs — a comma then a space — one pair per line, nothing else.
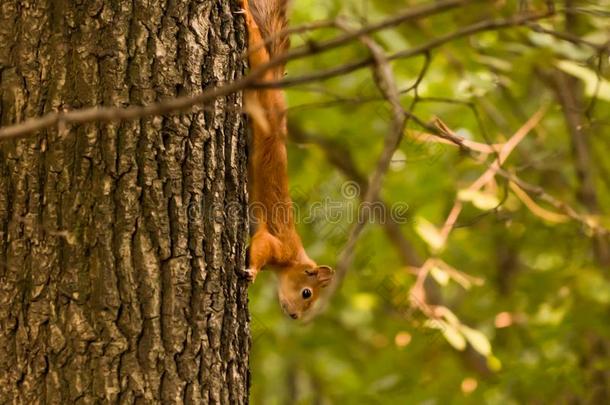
544, 303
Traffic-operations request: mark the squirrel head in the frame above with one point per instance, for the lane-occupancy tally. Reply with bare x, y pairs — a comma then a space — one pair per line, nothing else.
300, 287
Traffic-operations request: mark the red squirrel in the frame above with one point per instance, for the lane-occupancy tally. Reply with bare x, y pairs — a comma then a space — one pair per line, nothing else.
275, 242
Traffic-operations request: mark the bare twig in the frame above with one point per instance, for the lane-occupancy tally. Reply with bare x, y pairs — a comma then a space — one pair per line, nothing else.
491, 171
570, 38
568, 93
384, 79
496, 170
588, 221
535, 208
341, 157
486, 25
107, 114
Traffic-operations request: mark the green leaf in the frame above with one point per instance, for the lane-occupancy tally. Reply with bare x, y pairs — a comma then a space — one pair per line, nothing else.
593, 286
549, 315
364, 301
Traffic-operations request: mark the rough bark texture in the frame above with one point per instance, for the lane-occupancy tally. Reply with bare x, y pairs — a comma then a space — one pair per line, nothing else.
119, 263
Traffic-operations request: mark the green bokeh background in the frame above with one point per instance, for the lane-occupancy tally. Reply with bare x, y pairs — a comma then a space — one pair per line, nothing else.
370, 346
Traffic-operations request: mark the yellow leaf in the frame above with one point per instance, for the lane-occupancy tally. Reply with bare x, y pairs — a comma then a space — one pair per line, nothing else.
433, 324
479, 199
477, 340
430, 234
594, 85
494, 363
440, 276
448, 315
453, 336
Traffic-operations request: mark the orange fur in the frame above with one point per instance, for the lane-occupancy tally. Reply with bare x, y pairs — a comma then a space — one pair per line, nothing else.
276, 242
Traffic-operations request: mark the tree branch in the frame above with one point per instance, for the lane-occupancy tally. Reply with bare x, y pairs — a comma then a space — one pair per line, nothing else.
108, 114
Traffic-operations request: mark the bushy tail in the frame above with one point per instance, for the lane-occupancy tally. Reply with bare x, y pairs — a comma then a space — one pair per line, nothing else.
271, 16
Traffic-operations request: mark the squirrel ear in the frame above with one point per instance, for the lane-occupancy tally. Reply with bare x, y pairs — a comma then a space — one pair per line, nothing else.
324, 275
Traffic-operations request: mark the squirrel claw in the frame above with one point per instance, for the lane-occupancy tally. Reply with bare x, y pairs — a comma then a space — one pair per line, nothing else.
251, 274
240, 11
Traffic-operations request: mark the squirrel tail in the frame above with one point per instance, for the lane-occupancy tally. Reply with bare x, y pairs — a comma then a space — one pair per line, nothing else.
271, 16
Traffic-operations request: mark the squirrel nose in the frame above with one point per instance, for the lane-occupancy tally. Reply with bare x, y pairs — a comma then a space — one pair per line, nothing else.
294, 316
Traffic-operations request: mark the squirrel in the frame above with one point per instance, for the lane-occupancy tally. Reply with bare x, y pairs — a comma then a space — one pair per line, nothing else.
275, 242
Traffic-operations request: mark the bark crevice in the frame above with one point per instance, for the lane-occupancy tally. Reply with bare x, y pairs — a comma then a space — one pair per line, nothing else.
119, 265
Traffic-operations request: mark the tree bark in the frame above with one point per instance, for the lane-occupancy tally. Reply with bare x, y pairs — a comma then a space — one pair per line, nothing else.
119, 257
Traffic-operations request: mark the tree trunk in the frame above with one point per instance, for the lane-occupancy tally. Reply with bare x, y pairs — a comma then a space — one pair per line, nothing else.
119, 259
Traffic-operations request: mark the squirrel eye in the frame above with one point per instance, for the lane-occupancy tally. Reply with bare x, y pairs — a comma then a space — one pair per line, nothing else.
306, 293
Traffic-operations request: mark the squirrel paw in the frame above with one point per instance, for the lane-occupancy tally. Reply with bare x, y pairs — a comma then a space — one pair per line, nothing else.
251, 274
